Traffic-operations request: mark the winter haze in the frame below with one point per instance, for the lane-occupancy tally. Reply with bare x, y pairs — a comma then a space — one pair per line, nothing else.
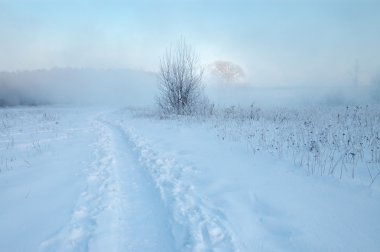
189, 125
289, 51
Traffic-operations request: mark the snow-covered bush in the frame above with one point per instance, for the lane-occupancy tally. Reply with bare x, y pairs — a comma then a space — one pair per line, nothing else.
180, 81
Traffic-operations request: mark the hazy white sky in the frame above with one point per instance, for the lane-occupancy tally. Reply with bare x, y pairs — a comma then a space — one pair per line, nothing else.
276, 42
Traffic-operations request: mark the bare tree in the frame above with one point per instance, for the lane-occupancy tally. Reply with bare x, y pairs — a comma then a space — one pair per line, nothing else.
180, 80
227, 71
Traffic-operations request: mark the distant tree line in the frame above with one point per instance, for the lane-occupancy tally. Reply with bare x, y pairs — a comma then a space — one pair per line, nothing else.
14, 96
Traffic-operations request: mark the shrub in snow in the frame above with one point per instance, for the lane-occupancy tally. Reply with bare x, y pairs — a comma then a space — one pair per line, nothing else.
180, 81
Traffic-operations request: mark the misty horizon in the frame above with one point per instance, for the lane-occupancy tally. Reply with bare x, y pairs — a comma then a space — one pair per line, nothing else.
276, 43
139, 88
298, 52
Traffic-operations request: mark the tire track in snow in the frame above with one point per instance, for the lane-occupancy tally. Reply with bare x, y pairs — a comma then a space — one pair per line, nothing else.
119, 210
145, 220
93, 203
195, 225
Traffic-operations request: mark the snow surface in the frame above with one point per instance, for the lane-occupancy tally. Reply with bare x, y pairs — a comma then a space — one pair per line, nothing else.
95, 179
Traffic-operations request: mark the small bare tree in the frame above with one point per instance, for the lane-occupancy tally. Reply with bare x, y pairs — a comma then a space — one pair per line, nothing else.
180, 81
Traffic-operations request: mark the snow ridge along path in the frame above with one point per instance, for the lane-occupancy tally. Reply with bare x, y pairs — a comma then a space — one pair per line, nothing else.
80, 229
119, 209
196, 226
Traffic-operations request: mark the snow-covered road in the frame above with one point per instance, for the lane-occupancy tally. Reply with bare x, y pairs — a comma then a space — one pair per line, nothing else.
119, 208
92, 179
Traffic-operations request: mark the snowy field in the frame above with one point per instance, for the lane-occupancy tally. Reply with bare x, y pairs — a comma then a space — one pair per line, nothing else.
101, 179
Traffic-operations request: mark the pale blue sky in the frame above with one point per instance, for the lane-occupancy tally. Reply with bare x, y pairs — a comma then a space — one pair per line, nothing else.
276, 42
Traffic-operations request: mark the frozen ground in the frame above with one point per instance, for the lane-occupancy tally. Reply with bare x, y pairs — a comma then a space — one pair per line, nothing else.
94, 179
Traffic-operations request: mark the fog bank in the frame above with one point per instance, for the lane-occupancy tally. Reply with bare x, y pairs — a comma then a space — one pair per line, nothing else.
84, 86
125, 87
293, 96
